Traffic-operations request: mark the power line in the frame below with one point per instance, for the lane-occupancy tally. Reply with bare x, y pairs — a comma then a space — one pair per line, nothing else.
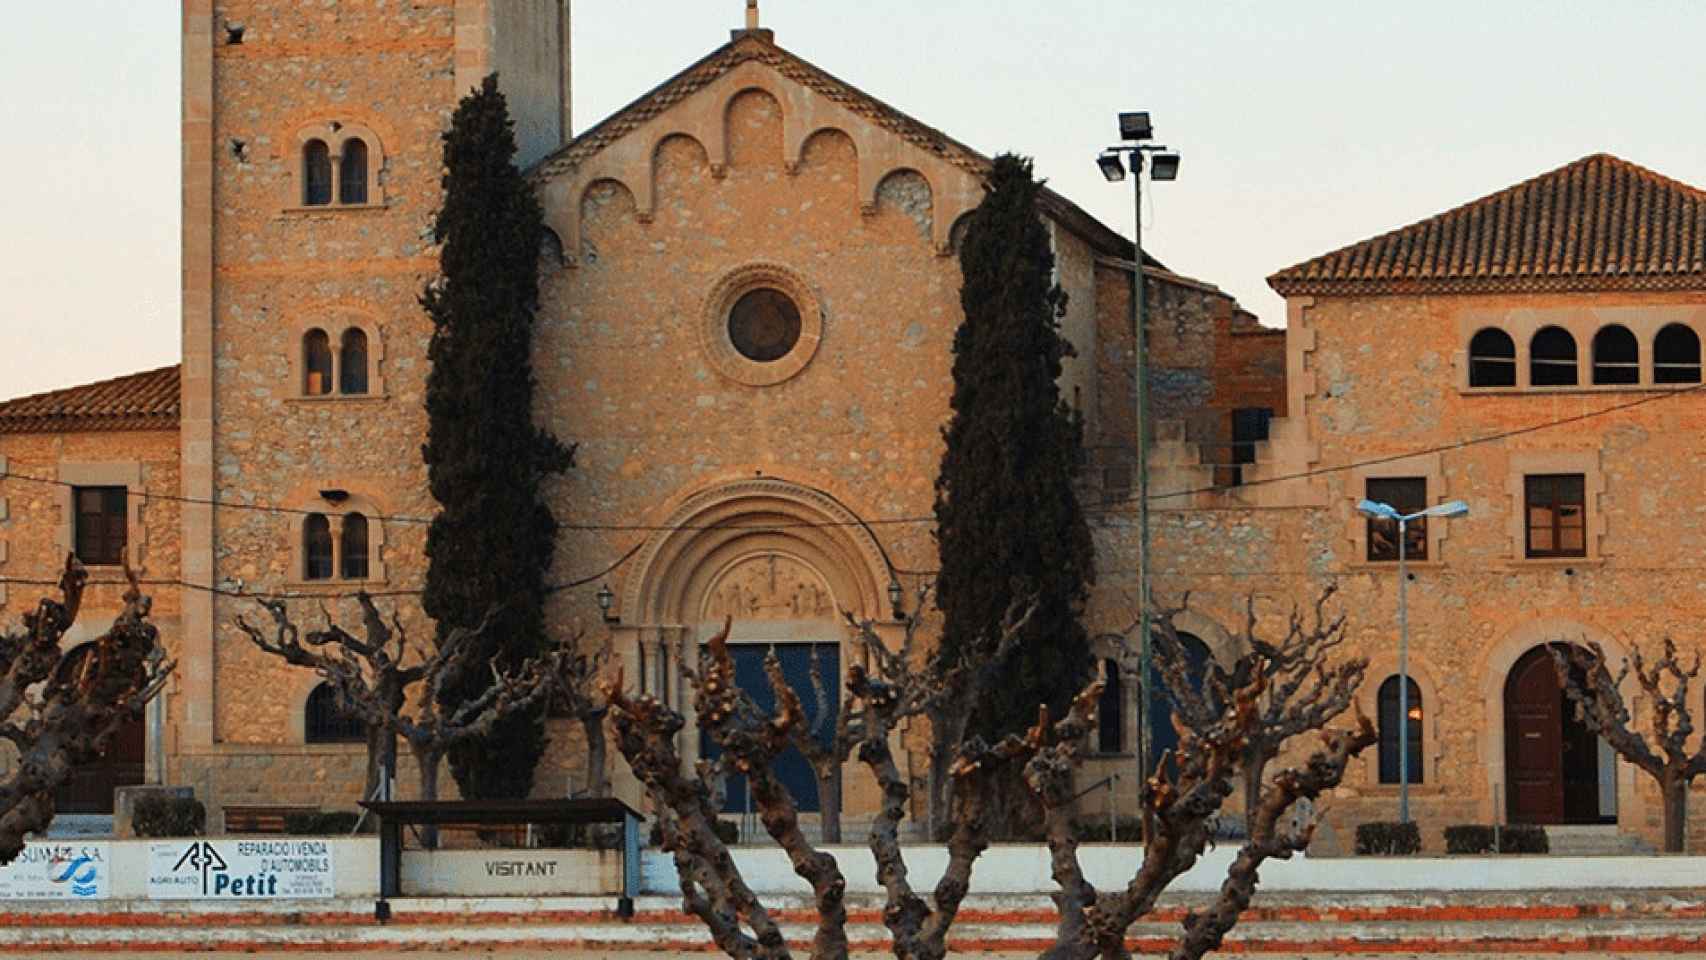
1442, 448
242, 593
1113, 509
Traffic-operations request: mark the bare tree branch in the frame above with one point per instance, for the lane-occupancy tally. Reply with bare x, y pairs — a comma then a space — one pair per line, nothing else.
87, 695
1598, 699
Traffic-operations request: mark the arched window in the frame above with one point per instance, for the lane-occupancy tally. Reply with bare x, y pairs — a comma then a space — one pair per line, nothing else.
316, 174
1389, 731
1162, 735
1110, 710
1552, 358
352, 172
316, 363
352, 363
326, 719
1676, 355
316, 547
1492, 359
354, 545
1616, 356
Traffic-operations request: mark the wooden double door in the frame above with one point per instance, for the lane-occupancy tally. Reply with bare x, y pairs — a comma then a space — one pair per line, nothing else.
1552, 760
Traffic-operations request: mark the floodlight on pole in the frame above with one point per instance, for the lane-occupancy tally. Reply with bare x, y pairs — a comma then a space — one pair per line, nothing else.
1135, 126
1164, 166
1376, 510
1135, 132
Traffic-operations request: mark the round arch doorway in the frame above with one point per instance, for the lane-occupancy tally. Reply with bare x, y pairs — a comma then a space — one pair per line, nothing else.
90, 789
1557, 770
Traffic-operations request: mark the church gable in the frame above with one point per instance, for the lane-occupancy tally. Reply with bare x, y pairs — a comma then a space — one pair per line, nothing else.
753, 102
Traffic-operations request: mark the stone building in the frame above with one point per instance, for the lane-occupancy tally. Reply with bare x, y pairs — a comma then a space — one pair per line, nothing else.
1424, 365
749, 297
748, 303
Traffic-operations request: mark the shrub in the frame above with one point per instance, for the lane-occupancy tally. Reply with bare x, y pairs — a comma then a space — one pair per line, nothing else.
728, 831
1469, 838
1478, 838
169, 817
579, 836
322, 823
1388, 839
1524, 838
1095, 829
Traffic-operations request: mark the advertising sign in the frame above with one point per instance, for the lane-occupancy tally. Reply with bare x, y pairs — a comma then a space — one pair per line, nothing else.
58, 871
240, 870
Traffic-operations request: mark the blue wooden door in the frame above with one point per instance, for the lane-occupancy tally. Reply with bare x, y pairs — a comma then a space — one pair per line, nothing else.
792, 768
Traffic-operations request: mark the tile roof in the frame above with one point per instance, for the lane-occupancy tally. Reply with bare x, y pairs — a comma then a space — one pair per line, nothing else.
749, 46
1599, 223
140, 401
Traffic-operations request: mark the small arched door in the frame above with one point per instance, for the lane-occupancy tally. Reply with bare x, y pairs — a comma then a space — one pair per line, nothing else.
1552, 760
90, 790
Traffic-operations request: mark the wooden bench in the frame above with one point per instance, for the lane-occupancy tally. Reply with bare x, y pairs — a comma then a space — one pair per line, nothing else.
261, 817
395, 815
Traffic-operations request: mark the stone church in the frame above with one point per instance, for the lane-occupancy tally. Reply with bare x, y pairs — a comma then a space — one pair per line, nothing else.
749, 297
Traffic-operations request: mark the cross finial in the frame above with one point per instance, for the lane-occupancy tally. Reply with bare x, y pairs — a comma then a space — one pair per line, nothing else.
752, 14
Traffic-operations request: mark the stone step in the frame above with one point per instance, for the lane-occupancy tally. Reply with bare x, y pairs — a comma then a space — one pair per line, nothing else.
1657, 922
1594, 841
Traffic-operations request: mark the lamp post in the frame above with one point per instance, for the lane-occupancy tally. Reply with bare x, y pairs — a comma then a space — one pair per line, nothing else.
1375, 510
1135, 134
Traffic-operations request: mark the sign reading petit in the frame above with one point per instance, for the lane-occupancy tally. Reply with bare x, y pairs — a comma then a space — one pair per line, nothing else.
242, 869
57, 871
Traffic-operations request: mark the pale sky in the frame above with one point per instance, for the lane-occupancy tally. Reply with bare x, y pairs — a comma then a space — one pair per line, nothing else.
1304, 125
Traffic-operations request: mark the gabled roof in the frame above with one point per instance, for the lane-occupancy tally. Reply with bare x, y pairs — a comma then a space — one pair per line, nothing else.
140, 401
1599, 223
758, 45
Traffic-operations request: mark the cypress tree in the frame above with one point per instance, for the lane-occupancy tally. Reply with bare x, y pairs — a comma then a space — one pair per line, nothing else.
490, 546
1008, 522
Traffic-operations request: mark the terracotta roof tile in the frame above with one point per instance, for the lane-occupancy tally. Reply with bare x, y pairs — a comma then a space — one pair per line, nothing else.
140, 401
1599, 223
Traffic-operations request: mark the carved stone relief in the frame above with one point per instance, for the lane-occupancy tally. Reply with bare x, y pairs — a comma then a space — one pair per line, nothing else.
769, 587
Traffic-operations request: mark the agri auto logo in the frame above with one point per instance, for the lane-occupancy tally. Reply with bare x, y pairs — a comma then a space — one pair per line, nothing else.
79, 873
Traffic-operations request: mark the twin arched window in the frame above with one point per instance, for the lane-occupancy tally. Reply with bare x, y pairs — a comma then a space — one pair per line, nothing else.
347, 551
325, 176
1616, 357
1389, 732
350, 362
327, 719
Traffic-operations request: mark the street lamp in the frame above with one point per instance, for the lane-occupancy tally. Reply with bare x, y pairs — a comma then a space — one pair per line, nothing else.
1135, 133
1375, 510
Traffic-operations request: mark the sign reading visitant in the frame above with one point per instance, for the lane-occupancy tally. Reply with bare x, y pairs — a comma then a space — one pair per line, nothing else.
58, 871
240, 870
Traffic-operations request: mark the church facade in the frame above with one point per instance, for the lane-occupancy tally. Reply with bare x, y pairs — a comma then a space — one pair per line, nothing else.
748, 304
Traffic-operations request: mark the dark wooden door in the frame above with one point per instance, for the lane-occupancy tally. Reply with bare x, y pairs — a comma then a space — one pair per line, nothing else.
791, 767
91, 787
1534, 748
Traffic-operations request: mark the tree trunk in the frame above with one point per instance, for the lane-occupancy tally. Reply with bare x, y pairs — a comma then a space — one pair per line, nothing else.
1675, 790
829, 800
597, 784
381, 758
429, 761
1254, 765
946, 732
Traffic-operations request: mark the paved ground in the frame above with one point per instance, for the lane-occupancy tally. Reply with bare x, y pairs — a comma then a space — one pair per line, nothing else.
655, 955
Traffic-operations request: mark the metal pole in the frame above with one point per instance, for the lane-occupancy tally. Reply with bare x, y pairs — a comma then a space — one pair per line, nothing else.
1140, 319
1403, 677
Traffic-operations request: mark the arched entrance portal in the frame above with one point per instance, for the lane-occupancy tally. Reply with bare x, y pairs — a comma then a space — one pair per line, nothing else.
782, 561
1556, 768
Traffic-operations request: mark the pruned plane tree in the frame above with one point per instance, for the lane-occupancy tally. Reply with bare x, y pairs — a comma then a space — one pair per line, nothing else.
61, 708
1180, 800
